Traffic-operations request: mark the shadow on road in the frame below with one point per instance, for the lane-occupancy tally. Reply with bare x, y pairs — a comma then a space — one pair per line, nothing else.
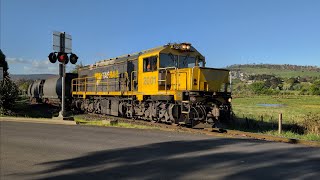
204, 159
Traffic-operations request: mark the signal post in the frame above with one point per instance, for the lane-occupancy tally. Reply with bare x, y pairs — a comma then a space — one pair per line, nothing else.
62, 46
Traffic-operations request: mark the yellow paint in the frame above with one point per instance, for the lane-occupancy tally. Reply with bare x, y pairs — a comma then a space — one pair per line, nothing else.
98, 77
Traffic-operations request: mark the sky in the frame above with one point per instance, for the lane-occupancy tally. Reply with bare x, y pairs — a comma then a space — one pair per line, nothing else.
226, 32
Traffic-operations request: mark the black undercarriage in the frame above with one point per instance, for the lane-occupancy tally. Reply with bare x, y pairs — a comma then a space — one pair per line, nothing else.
195, 108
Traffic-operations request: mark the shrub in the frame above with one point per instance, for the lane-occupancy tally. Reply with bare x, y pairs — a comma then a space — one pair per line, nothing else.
312, 123
8, 94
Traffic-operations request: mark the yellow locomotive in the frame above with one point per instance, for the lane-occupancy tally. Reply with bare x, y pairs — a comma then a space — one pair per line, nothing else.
168, 84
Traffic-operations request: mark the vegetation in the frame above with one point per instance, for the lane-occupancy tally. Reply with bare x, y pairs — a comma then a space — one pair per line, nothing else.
76, 68
23, 108
99, 122
279, 70
292, 135
266, 79
301, 114
8, 89
23, 85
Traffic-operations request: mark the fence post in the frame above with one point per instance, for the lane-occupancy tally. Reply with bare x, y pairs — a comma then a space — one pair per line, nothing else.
280, 123
247, 123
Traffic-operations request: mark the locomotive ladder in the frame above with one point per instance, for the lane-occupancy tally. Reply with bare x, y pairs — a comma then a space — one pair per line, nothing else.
133, 80
165, 77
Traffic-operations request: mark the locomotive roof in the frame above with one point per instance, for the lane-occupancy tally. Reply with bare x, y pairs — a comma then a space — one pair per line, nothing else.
132, 56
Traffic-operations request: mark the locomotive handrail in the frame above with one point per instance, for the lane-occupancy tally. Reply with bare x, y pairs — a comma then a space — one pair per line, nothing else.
133, 80
88, 81
165, 80
127, 78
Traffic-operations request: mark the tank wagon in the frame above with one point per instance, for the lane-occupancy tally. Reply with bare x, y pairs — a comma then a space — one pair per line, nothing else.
35, 90
170, 84
49, 90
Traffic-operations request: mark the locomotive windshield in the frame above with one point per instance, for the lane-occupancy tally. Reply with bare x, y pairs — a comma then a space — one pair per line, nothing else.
170, 60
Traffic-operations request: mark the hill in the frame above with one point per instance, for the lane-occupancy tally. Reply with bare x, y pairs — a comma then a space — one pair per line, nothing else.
16, 77
279, 70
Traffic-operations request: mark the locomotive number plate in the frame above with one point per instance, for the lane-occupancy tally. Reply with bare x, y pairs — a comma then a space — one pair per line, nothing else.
149, 80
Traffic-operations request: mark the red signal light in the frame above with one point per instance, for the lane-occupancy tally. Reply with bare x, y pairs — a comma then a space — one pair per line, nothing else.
63, 58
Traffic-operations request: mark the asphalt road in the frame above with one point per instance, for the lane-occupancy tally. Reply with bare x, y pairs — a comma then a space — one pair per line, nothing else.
47, 151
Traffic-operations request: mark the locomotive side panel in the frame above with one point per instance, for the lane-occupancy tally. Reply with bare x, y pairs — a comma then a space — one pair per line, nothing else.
110, 78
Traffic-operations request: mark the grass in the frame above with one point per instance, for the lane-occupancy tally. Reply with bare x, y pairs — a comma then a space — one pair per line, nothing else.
295, 110
99, 122
23, 108
289, 134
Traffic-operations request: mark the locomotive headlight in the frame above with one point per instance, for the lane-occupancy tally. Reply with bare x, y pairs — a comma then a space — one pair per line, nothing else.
183, 46
229, 100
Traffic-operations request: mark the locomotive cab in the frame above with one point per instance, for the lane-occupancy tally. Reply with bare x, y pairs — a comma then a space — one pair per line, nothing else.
178, 74
179, 67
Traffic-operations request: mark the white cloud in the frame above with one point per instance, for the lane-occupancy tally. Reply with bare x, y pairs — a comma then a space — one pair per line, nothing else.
35, 66
44, 66
17, 61
41, 66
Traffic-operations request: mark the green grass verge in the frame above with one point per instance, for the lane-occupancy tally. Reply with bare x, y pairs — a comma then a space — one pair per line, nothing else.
99, 122
291, 135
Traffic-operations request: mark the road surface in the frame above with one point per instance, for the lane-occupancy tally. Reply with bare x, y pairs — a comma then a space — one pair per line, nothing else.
48, 151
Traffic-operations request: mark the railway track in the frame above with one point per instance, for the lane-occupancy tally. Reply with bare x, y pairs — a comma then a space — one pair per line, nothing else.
205, 130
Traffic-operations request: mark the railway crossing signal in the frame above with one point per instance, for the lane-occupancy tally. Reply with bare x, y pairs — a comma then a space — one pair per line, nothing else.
73, 58
63, 58
62, 46
52, 57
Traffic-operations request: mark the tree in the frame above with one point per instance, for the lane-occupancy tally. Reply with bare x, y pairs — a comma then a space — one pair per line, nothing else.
23, 84
76, 68
258, 87
315, 88
4, 64
8, 89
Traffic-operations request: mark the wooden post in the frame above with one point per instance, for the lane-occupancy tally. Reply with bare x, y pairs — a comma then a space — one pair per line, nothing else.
280, 123
247, 123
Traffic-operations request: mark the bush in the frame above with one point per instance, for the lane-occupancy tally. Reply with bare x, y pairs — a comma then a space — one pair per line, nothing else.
258, 87
312, 123
8, 94
315, 88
